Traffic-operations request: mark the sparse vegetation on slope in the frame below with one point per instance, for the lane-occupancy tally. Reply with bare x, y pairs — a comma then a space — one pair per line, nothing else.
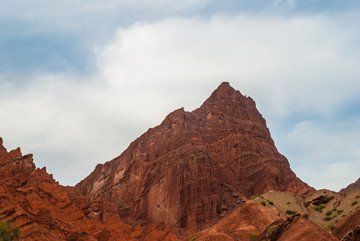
7, 233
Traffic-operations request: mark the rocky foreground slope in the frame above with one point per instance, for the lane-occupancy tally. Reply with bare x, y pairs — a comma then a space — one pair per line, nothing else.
282, 216
195, 166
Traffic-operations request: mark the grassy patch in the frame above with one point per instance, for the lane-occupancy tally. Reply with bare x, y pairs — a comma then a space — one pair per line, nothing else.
271, 229
255, 196
327, 218
254, 236
270, 202
289, 211
328, 213
354, 202
193, 238
319, 208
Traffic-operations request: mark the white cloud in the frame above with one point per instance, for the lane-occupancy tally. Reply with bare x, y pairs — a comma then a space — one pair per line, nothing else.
291, 57
149, 69
326, 153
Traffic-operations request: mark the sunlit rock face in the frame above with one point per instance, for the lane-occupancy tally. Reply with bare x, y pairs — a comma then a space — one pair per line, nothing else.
195, 166
44, 210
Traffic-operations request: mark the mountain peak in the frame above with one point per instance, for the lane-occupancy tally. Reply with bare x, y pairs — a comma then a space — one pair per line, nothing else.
195, 166
224, 92
230, 102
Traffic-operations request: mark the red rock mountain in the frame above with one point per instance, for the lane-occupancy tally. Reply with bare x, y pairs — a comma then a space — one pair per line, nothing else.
44, 210
195, 166
355, 185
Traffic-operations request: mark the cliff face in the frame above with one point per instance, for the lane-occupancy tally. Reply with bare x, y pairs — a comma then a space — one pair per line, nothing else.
195, 166
44, 210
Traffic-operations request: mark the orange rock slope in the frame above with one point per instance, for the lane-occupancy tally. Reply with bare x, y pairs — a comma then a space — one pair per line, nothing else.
44, 210
195, 166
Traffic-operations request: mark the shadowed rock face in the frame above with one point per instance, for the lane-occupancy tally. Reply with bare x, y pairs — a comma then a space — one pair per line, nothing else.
355, 185
195, 166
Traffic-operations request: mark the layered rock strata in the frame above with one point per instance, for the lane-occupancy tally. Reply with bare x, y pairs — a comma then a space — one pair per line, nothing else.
195, 166
44, 210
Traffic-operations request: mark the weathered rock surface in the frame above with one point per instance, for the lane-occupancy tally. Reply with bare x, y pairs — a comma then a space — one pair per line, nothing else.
249, 219
186, 170
355, 185
325, 208
349, 227
295, 228
44, 210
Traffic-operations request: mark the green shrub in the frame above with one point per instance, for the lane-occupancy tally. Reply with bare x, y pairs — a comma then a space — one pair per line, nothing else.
327, 218
288, 203
354, 202
319, 208
263, 203
270, 202
339, 211
7, 233
255, 196
254, 236
193, 238
328, 213
291, 211
357, 196
270, 230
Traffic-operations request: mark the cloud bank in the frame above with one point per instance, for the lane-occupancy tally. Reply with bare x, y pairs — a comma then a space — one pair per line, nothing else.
295, 66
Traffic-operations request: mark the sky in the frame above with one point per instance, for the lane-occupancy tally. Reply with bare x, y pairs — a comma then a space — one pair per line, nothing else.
80, 80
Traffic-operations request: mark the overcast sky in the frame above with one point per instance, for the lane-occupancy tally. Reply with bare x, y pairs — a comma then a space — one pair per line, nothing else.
80, 80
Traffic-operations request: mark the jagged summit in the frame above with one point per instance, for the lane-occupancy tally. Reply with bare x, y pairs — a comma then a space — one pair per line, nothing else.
195, 166
228, 101
44, 210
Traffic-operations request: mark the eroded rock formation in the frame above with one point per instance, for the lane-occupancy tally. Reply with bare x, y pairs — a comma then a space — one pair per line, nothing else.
44, 210
295, 228
195, 166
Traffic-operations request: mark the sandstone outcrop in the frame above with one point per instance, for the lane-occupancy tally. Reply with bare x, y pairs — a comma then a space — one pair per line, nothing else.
195, 166
349, 227
246, 221
296, 228
44, 210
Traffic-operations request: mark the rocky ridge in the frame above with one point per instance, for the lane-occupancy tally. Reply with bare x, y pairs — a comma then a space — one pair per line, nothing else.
355, 185
44, 210
195, 167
